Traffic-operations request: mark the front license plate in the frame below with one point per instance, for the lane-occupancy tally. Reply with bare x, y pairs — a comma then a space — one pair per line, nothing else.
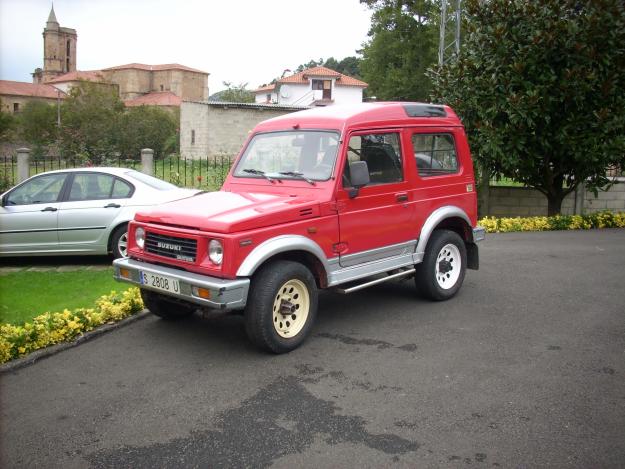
160, 282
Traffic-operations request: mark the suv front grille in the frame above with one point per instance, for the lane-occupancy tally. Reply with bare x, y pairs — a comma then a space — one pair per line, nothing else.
171, 246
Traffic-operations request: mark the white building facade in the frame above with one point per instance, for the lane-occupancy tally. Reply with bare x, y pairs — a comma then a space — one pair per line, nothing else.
317, 86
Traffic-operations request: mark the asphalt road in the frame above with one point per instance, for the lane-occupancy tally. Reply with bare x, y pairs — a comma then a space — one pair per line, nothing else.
524, 368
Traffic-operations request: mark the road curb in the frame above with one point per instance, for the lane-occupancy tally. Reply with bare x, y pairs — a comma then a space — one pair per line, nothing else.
54, 349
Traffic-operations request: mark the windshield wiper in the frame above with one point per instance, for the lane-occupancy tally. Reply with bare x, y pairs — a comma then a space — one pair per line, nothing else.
259, 173
297, 175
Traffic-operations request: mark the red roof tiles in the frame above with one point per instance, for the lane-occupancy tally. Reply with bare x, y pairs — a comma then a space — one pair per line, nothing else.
323, 72
155, 68
156, 98
265, 89
19, 88
88, 75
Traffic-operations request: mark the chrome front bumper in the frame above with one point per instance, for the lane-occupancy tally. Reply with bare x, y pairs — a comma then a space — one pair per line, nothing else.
230, 294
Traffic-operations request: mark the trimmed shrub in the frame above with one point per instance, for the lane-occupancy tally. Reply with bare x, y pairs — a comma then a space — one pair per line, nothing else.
558, 222
52, 328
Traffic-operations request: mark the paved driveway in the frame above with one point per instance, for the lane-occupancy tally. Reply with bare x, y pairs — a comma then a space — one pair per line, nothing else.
525, 368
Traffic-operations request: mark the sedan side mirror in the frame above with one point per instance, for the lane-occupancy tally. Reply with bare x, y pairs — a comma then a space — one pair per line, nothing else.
359, 176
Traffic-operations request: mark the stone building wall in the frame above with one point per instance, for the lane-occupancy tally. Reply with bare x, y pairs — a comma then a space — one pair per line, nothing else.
208, 129
523, 202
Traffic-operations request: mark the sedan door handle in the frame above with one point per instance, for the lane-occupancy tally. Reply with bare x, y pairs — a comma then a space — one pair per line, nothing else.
50, 209
112, 205
401, 197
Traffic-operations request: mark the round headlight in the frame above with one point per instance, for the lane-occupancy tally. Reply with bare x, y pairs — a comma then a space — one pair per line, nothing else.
215, 251
140, 237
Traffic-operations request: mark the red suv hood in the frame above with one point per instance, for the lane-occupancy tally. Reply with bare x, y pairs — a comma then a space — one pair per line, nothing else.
228, 212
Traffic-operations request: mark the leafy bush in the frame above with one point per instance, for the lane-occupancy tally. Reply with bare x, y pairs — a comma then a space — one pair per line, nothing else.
52, 328
558, 222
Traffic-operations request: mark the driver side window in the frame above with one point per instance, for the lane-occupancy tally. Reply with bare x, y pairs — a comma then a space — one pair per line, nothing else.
40, 190
382, 153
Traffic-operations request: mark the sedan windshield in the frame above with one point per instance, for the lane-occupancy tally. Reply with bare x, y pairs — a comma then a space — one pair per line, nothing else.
299, 154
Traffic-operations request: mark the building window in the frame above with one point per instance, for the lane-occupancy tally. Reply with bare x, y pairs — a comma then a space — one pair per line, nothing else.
192, 137
161, 87
68, 48
269, 97
16, 107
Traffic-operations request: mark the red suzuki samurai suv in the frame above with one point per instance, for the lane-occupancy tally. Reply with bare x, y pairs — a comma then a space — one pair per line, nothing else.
336, 197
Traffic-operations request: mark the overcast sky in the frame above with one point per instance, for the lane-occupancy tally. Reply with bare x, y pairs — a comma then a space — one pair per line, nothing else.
241, 41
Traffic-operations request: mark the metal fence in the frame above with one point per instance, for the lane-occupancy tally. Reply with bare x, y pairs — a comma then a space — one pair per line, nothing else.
208, 173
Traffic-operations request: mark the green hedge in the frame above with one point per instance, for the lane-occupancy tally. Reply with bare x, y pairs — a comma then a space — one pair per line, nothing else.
558, 222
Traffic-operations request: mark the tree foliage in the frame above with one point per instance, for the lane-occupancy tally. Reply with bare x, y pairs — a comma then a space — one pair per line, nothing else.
539, 86
348, 66
235, 93
37, 124
145, 127
7, 124
402, 46
91, 118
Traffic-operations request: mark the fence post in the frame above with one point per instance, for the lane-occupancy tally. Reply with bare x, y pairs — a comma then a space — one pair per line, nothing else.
23, 157
147, 161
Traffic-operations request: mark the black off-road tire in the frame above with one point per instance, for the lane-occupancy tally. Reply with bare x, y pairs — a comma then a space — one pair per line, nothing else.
119, 242
281, 306
171, 310
440, 275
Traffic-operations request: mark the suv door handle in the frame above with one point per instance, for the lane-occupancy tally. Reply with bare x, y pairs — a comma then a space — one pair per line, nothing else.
112, 205
50, 209
403, 197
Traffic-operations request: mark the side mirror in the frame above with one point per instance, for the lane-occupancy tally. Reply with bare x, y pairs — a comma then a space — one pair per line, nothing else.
359, 176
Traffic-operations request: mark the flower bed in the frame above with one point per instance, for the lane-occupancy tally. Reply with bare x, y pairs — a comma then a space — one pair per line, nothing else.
53, 328
558, 222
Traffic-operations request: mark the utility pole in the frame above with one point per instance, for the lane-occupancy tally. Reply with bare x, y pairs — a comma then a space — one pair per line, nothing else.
449, 44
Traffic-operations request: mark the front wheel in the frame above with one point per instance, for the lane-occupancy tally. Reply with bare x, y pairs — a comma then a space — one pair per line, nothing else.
119, 242
440, 275
281, 306
170, 310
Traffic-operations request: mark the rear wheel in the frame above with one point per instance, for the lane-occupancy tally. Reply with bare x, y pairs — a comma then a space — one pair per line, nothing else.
165, 308
440, 275
281, 306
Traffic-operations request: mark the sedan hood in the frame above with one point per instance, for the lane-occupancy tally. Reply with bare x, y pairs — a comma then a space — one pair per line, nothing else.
228, 212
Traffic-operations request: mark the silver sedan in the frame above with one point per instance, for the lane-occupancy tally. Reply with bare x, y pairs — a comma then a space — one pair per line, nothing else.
78, 211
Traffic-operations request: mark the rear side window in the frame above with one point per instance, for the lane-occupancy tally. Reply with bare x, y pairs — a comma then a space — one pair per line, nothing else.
121, 189
435, 154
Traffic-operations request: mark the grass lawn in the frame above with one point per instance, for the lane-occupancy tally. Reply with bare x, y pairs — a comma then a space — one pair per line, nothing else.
24, 295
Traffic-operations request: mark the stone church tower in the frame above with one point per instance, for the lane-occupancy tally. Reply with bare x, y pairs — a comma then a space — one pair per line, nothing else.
59, 50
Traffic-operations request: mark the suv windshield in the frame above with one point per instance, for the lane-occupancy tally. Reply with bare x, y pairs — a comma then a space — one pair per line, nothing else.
297, 154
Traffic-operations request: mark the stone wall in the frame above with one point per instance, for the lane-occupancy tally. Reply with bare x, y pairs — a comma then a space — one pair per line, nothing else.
523, 202
208, 129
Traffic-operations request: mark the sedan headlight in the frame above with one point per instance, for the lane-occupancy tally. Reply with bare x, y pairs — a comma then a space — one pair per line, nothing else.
140, 237
215, 251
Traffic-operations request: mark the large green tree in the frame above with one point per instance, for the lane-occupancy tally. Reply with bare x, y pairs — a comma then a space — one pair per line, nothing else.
37, 123
146, 127
540, 88
91, 118
402, 46
7, 124
235, 93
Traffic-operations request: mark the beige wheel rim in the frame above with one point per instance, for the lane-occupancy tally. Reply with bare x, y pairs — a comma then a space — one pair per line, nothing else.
290, 308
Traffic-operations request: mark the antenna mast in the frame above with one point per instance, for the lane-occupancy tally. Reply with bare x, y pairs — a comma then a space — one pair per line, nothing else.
449, 47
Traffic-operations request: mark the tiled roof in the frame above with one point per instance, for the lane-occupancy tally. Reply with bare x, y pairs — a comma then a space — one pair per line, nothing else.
19, 88
88, 75
341, 80
156, 98
155, 68
264, 89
